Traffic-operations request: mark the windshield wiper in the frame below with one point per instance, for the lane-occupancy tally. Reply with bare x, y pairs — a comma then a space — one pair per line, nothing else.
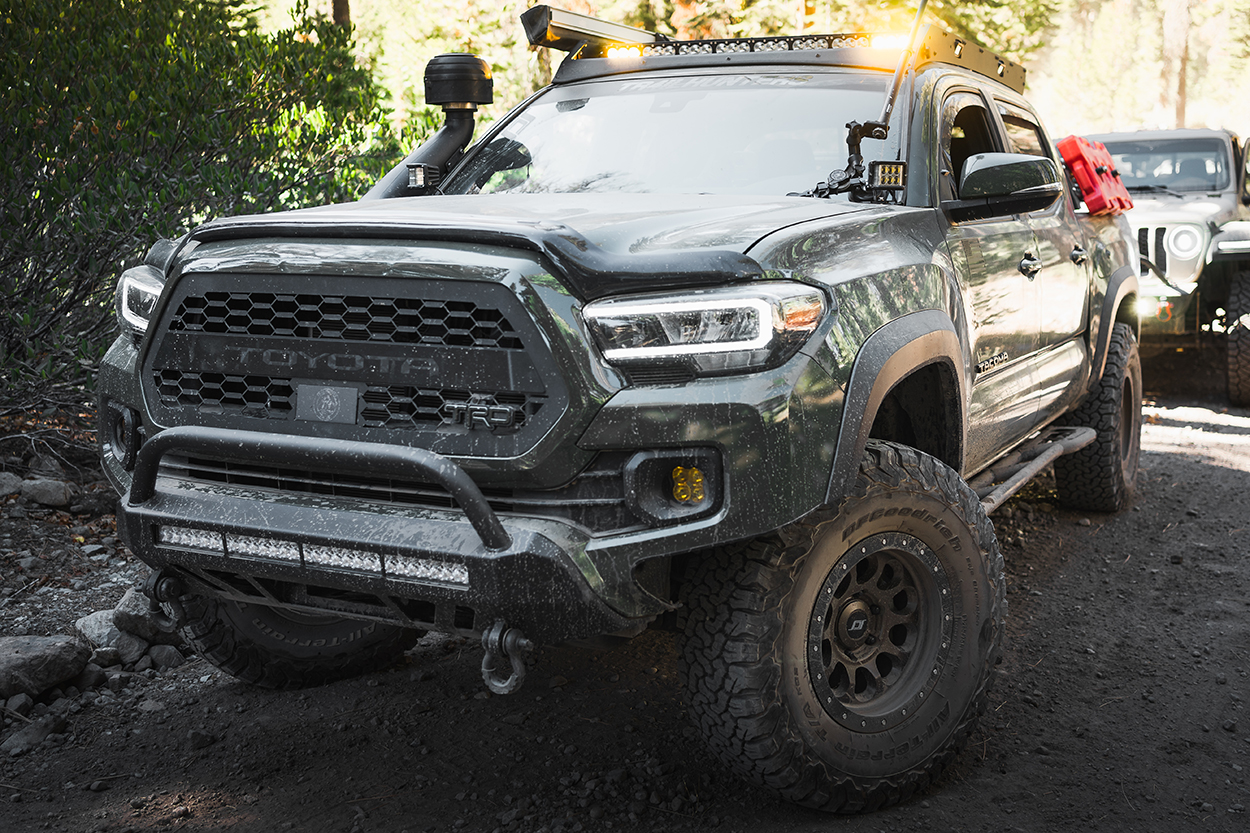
1155, 189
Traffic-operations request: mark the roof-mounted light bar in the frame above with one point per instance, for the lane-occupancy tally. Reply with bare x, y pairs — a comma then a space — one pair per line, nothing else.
590, 37
567, 31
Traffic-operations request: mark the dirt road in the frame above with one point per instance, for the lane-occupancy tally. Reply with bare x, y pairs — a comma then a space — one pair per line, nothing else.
1121, 704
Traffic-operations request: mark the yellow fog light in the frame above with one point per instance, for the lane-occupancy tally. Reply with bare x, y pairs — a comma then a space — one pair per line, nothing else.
688, 485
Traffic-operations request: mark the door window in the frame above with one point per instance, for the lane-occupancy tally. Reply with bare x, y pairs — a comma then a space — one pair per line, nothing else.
966, 131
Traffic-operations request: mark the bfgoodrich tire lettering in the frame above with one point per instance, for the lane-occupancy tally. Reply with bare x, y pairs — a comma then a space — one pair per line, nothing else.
842, 662
1101, 476
274, 648
1238, 318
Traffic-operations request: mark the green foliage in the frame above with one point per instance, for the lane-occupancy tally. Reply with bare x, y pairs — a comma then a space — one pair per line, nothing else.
124, 121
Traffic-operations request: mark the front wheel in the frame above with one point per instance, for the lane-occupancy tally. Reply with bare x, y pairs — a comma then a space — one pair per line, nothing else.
842, 662
276, 648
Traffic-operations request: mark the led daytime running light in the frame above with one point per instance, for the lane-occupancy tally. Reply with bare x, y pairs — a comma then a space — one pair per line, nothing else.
138, 290
660, 311
730, 329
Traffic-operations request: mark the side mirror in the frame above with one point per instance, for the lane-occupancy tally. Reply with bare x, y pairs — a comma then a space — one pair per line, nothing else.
998, 184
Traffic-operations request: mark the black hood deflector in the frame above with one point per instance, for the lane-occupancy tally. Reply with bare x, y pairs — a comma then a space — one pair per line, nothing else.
588, 270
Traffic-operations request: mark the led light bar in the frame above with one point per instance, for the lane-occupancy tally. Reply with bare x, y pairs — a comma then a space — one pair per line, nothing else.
343, 557
420, 568
564, 30
397, 566
194, 539
262, 547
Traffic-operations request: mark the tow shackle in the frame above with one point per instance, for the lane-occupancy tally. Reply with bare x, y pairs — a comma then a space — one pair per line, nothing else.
502, 643
162, 588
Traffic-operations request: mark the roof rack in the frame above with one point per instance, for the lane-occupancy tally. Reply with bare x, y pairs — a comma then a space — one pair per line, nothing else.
588, 38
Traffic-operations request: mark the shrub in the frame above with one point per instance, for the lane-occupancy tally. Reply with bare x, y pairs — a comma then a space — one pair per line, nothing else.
128, 120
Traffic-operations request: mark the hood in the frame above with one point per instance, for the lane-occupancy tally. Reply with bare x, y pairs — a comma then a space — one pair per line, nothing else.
620, 224
1160, 209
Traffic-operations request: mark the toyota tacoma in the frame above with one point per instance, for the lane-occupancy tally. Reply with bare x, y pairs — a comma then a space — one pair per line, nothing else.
745, 338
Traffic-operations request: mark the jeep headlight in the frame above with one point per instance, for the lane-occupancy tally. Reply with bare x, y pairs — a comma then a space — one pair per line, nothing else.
712, 331
1185, 242
137, 291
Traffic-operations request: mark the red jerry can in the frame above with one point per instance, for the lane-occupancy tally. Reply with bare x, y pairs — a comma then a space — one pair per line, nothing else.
1095, 173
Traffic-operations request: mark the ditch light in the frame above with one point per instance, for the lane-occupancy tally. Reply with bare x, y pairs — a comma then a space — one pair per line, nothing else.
291, 552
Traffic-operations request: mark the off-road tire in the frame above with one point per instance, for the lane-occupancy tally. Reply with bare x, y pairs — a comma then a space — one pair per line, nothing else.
1237, 313
911, 534
274, 648
1101, 477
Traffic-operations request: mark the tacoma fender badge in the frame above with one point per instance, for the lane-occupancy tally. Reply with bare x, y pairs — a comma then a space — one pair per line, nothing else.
992, 362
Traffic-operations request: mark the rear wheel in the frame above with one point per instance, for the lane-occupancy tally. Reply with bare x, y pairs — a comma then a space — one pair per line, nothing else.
1102, 476
276, 648
1238, 326
842, 662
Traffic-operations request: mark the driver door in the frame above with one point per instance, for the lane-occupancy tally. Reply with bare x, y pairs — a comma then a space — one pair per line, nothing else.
1001, 303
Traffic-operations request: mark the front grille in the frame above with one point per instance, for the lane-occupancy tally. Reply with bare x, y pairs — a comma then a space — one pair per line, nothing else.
1153, 249
385, 406
594, 500
346, 318
455, 365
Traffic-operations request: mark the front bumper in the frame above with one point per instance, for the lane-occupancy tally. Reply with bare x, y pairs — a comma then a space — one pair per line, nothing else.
433, 569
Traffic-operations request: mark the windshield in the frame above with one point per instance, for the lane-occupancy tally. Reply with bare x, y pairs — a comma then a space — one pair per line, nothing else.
721, 134
1171, 164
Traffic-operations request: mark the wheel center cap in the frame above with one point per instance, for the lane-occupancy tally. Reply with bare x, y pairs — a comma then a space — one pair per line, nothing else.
853, 623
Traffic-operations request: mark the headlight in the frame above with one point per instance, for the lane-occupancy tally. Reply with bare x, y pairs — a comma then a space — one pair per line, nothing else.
712, 331
1184, 242
137, 291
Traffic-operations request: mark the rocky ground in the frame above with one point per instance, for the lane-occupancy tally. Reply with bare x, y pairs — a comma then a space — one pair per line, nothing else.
1120, 704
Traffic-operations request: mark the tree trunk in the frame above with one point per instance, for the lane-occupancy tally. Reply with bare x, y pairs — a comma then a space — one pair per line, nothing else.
342, 12
1177, 21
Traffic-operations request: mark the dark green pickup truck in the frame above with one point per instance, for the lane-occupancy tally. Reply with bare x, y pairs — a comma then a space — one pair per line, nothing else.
672, 345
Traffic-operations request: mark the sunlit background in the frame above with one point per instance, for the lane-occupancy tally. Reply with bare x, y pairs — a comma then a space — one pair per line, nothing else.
1094, 65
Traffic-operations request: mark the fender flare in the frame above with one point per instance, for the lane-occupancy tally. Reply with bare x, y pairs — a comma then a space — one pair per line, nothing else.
887, 357
1121, 284
1235, 235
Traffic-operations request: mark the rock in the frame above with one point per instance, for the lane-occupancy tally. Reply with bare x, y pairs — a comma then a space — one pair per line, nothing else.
20, 703
92, 676
33, 664
165, 656
117, 680
34, 565
200, 740
10, 484
46, 465
106, 656
26, 739
48, 492
133, 614
98, 629
130, 648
